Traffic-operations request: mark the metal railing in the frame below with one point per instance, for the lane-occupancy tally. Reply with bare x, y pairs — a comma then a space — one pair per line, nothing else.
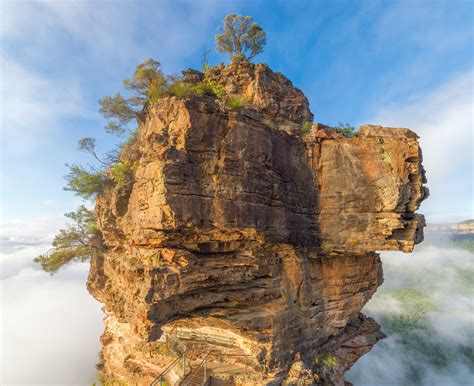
179, 349
200, 374
232, 368
215, 339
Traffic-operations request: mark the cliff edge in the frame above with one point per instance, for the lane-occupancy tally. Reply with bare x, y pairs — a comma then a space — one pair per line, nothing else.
248, 239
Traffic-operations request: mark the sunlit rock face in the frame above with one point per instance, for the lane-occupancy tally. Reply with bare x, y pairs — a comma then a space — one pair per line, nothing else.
241, 229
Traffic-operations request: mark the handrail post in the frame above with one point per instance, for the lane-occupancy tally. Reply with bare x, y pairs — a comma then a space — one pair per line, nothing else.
184, 363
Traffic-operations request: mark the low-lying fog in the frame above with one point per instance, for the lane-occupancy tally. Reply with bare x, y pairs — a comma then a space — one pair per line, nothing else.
426, 308
51, 325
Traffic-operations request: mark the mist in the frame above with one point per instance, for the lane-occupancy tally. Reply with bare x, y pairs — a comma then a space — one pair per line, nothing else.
50, 325
426, 309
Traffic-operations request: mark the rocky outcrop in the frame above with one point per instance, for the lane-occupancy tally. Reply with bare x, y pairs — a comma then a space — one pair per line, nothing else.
245, 236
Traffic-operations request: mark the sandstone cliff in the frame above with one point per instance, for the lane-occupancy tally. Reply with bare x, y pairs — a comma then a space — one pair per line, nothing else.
244, 236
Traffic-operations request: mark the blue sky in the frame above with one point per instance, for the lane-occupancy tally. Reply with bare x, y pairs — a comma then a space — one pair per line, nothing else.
400, 63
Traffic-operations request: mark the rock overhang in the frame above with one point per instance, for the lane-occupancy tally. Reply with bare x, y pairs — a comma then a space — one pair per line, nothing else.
241, 219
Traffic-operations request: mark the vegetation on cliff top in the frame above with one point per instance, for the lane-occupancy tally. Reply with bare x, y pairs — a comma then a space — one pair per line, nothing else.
241, 38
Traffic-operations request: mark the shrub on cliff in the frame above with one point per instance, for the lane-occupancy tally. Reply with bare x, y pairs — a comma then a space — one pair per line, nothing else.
306, 126
78, 242
241, 38
206, 87
147, 85
345, 129
235, 102
120, 171
181, 89
210, 88
84, 183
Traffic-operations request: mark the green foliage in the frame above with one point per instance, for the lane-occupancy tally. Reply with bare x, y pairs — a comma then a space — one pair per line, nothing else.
415, 307
235, 102
119, 111
147, 85
84, 183
181, 90
78, 242
329, 361
306, 127
326, 365
413, 330
210, 88
120, 170
345, 129
241, 38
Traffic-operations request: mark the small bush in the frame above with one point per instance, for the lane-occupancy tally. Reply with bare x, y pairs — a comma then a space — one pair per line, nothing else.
329, 361
306, 127
181, 90
120, 171
345, 129
210, 88
235, 102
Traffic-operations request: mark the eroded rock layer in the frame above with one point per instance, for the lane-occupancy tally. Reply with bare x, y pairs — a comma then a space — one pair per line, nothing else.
243, 234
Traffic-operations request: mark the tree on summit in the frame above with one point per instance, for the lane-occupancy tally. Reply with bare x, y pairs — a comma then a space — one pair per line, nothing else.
242, 39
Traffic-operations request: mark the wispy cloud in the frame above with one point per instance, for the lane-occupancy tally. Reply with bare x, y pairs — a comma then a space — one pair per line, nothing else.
22, 240
33, 106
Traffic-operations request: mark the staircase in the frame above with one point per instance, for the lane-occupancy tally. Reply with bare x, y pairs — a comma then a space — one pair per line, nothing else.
199, 376
196, 378
179, 364
207, 373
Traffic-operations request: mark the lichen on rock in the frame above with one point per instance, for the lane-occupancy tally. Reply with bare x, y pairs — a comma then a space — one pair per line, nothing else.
250, 238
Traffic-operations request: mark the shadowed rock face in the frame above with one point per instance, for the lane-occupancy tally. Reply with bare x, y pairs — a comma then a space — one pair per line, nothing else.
238, 225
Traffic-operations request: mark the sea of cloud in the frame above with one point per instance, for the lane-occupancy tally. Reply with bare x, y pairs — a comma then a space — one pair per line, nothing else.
50, 325
434, 270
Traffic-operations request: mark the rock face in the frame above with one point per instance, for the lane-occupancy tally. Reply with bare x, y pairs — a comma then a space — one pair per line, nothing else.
246, 237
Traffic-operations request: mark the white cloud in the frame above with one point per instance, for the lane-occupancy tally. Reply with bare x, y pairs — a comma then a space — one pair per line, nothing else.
40, 227
50, 325
112, 32
107, 28
443, 119
435, 271
50, 328
22, 240
32, 106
